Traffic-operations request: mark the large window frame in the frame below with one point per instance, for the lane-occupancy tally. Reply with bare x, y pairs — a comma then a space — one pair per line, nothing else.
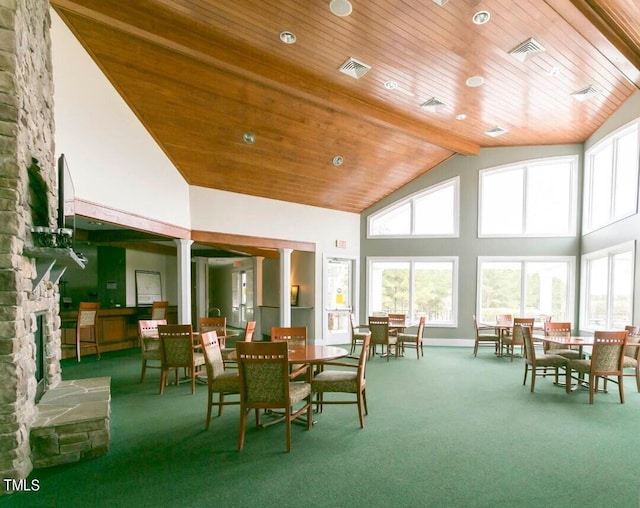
524, 202
611, 179
524, 290
410, 206
607, 262
434, 318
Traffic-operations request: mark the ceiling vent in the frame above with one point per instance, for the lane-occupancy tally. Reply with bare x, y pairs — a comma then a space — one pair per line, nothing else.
354, 68
526, 50
585, 93
441, 2
496, 131
433, 105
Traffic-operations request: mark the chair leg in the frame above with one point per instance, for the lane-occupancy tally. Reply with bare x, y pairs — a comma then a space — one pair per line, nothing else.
567, 383
621, 388
288, 427
364, 400
243, 423
638, 378
526, 371
593, 386
360, 415
533, 379
209, 404
144, 368
475, 349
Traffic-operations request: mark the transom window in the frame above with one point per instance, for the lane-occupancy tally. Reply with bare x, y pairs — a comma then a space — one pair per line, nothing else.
533, 198
611, 178
525, 287
422, 286
430, 213
607, 284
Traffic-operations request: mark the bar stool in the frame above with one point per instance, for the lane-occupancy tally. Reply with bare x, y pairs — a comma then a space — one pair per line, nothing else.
86, 328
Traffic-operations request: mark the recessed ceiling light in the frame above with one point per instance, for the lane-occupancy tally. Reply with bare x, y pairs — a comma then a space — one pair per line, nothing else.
461, 116
481, 17
249, 138
475, 81
390, 85
554, 71
288, 37
338, 160
341, 8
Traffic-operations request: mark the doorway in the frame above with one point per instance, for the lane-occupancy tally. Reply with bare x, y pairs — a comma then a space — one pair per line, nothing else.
339, 284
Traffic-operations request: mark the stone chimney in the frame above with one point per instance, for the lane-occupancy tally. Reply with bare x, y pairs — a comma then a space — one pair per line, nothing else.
27, 176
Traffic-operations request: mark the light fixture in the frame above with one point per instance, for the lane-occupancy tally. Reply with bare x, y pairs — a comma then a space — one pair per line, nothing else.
337, 160
481, 17
475, 81
461, 116
288, 37
390, 85
249, 138
341, 8
554, 71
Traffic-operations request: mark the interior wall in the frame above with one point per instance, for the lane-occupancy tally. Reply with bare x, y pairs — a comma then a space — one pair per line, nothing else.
468, 246
149, 261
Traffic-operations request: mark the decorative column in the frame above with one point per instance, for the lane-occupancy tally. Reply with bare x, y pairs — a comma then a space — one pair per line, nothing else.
184, 280
202, 285
285, 286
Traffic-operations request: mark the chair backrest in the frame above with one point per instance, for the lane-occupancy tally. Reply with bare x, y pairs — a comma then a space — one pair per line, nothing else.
632, 337
212, 355
504, 318
294, 335
87, 314
527, 339
379, 327
249, 330
176, 345
148, 333
263, 368
518, 325
213, 324
397, 318
159, 310
214, 312
557, 328
354, 324
608, 352
362, 361
421, 324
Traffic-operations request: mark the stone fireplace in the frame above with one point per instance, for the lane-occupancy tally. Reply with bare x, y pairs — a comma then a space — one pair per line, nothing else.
28, 287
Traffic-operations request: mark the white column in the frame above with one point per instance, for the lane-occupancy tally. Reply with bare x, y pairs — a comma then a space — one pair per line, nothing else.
285, 286
202, 286
184, 281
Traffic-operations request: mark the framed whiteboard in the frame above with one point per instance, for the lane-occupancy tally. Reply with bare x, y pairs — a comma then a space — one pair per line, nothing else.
148, 287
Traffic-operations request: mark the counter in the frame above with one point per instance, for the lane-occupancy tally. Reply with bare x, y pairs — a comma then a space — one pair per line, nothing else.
117, 328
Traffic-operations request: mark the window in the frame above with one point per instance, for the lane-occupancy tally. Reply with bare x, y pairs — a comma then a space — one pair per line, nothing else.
534, 198
608, 288
430, 213
424, 286
611, 178
525, 287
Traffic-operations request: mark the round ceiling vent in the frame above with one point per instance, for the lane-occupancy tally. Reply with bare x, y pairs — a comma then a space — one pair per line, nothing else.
475, 81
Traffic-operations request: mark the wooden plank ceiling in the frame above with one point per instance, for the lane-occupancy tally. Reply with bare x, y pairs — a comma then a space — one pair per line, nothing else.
201, 73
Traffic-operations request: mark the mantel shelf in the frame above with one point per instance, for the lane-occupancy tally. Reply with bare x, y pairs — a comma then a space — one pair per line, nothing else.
47, 257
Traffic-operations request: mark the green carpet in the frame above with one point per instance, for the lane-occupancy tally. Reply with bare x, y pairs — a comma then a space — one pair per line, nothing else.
448, 430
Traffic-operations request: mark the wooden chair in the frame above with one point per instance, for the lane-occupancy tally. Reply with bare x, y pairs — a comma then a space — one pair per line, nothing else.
537, 364
218, 381
265, 383
249, 331
516, 339
214, 324
379, 328
86, 328
357, 336
482, 337
559, 329
397, 322
344, 381
632, 353
294, 335
177, 351
150, 344
607, 358
159, 310
413, 339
